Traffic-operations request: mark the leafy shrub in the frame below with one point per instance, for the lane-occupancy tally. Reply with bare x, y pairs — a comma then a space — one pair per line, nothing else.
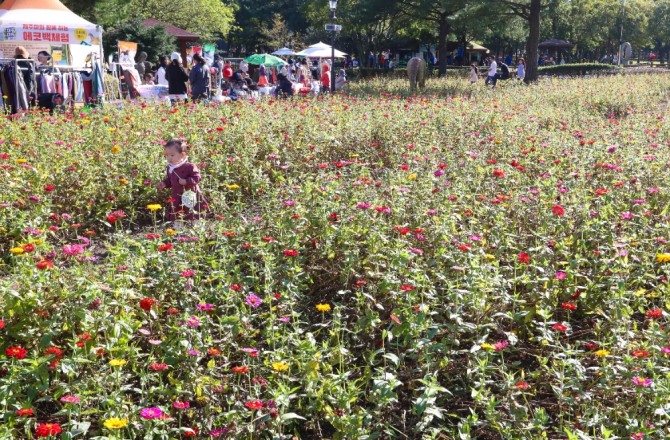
579, 69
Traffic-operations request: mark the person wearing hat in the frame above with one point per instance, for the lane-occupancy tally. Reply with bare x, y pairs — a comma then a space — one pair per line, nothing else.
176, 77
20, 53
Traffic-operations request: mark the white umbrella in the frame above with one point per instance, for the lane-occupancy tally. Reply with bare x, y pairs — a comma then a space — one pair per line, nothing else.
320, 50
283, 51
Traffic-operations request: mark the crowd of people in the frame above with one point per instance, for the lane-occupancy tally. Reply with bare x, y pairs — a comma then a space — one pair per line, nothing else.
216, 78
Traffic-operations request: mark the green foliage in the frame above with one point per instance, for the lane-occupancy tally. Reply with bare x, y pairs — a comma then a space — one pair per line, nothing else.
481, 274
579, 69
154, 41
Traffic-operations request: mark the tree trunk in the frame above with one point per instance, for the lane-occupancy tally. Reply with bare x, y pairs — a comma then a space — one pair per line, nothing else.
442, 44
533, 40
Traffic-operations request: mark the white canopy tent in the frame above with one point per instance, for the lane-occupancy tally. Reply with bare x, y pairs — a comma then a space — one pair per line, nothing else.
320, 50
42, 23
283, 51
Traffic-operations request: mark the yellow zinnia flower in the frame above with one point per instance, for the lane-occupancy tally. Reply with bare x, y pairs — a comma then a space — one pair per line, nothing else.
116, 423
411, 176
602, 353
16, 250
280, 366
118, 362
154, 207
663, 258
323, 307
123, 181
21, 160
115, 149
170, 231
486, 346
234, 186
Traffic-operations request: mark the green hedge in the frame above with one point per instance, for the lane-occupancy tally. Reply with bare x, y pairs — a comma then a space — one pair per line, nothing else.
579, 69
400, 72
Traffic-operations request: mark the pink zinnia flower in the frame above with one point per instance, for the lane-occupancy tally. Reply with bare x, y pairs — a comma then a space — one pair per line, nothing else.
72, 250
205, 307
500, 345
187, 273
151, 413
363, 205
560, 275
642, 381
69, 398
181, 405
193, 321
253, 301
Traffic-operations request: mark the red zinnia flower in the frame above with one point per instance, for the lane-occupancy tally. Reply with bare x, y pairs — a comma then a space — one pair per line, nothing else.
28, 247
49, 188
113, 217
654, 313
569, 306
559, 327
158, 366
240, 370
498, 173
45, 264
236, 287
16, 352
407, 288
147, 303
165, 247
523, 258
54, 351
2, 324
47, 429
25, 412
254, 404
640, 353
522, 385
558, 210
291, 253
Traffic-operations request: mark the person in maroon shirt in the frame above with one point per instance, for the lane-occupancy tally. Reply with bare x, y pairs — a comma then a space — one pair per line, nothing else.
181, 176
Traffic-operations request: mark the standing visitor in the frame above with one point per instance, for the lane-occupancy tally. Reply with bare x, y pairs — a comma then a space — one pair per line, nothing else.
474, 73
176, 77
227, 71
182, 176
160, 73
492, 75
199, 79
521, 69
325, 77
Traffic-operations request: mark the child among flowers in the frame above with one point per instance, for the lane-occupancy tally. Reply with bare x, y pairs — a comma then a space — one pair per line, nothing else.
181, 176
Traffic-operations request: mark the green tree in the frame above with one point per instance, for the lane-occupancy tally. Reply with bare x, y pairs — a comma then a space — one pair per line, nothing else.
207, 18
154, 41
659, 25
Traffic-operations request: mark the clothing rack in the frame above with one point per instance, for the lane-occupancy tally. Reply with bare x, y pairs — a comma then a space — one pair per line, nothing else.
17, 69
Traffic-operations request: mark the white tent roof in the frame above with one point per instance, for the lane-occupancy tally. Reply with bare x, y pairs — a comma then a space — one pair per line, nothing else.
46, 21
320, 50
283, 51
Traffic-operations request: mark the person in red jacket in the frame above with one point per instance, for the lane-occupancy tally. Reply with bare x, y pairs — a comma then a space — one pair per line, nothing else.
325, 77
181, 176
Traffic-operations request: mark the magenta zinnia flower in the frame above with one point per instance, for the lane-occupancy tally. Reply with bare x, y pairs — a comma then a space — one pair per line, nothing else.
642, 381
151, 413
253, 301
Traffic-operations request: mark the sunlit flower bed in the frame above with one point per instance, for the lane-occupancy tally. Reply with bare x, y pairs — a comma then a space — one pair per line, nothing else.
471, 263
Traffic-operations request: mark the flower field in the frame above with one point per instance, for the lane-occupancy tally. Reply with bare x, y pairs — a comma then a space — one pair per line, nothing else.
467, 264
